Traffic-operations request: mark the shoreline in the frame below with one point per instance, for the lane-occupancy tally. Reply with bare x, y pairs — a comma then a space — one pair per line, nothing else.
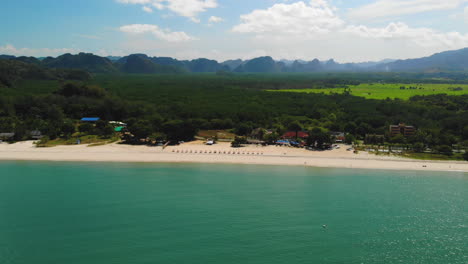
197, 152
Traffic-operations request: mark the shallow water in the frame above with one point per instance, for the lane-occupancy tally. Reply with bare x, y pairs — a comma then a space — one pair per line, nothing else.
133, 213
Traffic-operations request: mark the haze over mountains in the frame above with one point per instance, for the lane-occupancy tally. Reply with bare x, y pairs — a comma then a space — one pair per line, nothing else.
456, 60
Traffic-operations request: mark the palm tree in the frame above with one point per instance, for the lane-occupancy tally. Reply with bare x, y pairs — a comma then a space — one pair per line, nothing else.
296, 127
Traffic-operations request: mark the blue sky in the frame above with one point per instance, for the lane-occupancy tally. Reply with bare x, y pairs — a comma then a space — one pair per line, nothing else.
360, 30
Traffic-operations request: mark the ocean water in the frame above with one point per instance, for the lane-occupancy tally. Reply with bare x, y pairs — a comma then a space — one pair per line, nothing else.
57, 213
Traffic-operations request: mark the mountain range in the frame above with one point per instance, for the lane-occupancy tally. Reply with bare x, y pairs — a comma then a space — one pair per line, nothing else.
448, 61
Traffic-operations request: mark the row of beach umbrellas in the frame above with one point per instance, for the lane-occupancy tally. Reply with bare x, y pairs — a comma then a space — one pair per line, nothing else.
217, 152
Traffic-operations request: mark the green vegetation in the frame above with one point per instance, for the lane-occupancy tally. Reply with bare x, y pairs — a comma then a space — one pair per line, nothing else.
238, 141
389, 90
178, 107
432, 156
12, 71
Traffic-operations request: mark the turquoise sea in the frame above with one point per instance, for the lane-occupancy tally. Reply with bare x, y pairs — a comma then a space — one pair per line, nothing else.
95, 213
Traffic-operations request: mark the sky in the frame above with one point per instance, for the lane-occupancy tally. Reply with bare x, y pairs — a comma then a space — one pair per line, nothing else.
345, 30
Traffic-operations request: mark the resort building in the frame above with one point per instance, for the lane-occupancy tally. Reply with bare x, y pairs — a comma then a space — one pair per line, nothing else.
292, 134
402, 129
338, 137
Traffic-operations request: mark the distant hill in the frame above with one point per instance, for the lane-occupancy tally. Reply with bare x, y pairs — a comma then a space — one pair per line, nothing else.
32, 60
114, 58
7, 57
141, 63
233, 64
84, 61
370, 64
311, 66
456, 60
449, 61
168, 65
137, 64
260, 65
168, 61
205, 65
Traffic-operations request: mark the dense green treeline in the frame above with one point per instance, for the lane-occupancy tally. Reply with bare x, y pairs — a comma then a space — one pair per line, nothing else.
12, 71
176, 107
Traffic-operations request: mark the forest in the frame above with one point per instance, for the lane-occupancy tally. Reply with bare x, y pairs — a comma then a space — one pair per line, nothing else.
176, 107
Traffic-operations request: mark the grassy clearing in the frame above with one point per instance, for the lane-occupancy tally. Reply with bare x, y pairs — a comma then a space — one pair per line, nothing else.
390, 90
220, 134
90, 140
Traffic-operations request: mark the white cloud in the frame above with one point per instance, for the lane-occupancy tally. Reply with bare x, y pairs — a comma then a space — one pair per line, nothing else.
296, 18
12, 50
394, 8
166, 35
423, 37
185, 8
147, 9
300, 30
215, 19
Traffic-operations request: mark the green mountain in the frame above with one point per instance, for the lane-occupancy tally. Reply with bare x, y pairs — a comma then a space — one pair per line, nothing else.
310, 66
141, 63
205, 65
260, 65
31, 60
449, 62
168, 61
455, 60
233, 64
84, 61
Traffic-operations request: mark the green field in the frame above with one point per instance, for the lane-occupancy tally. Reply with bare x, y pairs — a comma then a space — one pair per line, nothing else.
390, 90
150, 87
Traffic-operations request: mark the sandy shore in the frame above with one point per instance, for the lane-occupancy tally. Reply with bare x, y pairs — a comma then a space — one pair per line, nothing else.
197, 152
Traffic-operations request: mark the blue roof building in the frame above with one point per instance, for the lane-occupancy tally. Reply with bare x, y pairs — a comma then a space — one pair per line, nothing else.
90, 119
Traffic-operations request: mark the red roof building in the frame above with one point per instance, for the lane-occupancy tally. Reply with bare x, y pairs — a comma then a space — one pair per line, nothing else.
292, 134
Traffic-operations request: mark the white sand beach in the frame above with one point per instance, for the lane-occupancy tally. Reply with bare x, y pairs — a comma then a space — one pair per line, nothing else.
197, 152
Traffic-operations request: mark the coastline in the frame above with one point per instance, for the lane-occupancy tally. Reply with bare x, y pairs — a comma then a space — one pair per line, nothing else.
222, 153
